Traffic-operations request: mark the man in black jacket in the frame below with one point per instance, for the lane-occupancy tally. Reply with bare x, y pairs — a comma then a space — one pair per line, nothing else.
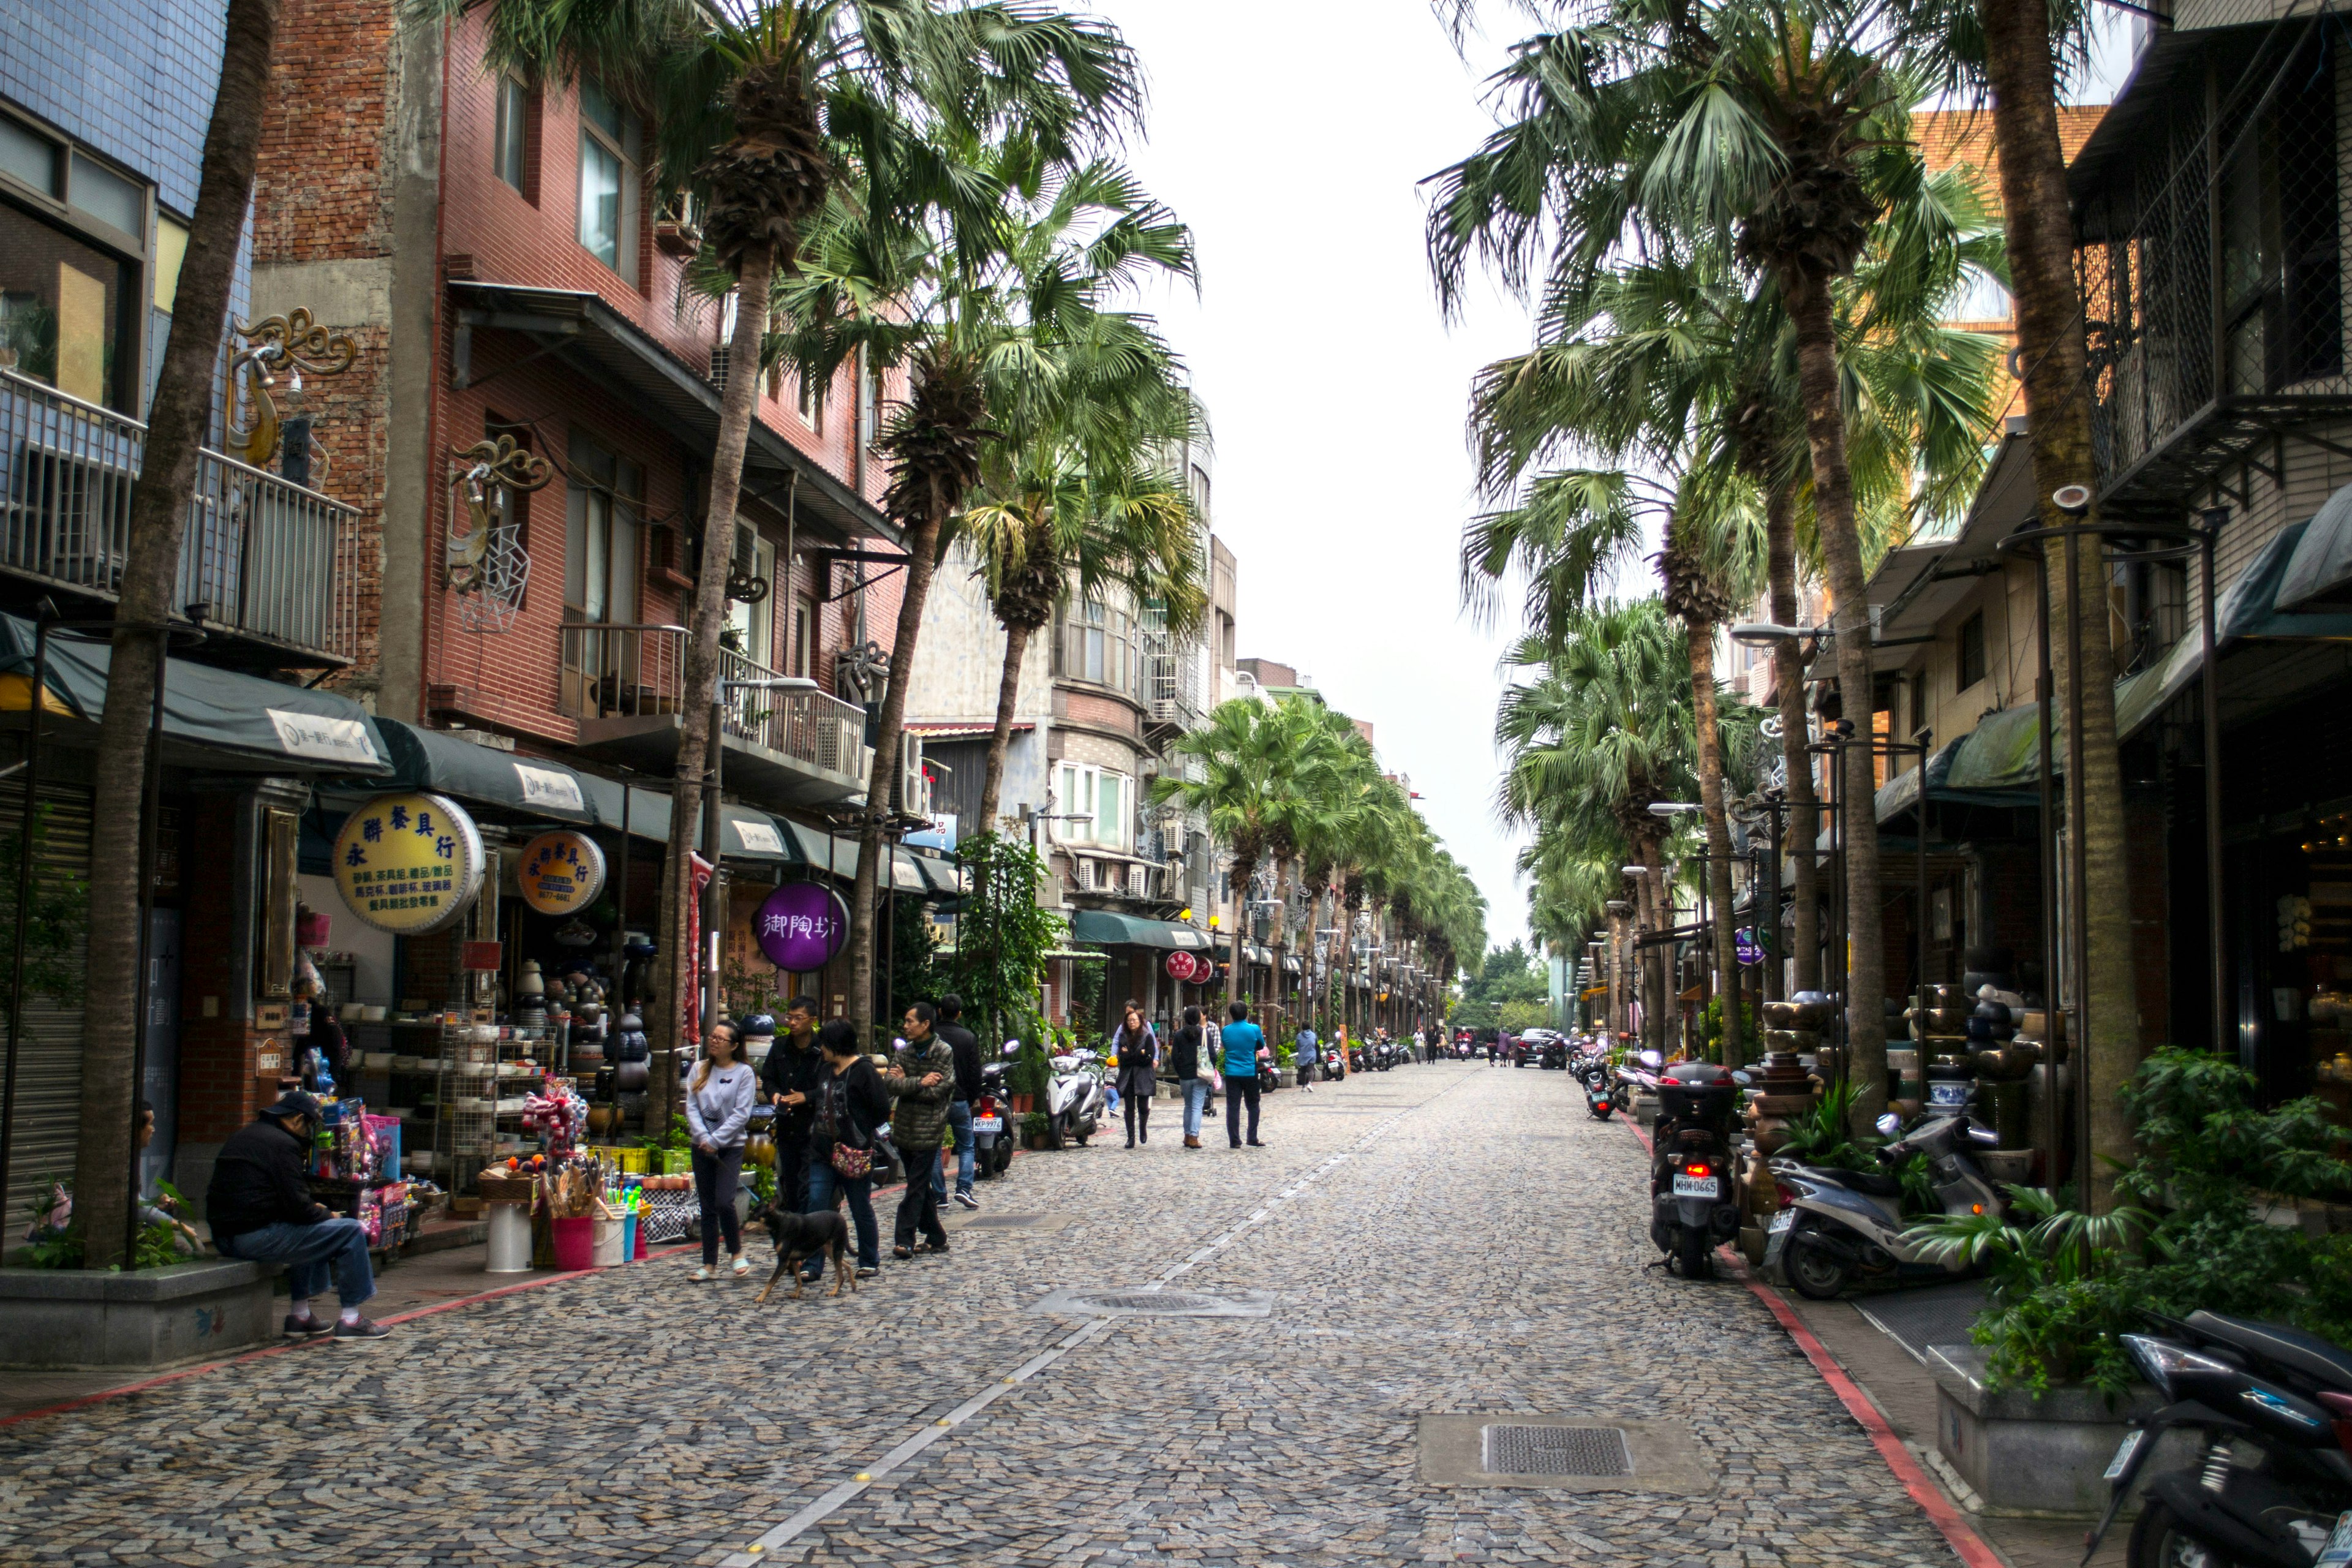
966, 1047
789, 1077
259, 1206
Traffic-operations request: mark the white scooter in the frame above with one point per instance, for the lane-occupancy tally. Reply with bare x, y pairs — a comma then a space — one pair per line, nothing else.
1836, 1224
1077, 1099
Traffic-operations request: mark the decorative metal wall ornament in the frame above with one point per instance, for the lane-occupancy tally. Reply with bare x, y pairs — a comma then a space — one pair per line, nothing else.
485, 566
297, 342
865, 669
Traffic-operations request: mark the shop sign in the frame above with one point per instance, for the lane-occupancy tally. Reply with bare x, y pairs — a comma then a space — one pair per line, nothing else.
1182, 965
327, 739
410, 864
561, 872
801, 926
484, 957
1744, 944
758, 837
548, 788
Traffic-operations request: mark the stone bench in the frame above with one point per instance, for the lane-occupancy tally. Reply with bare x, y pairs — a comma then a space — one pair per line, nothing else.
153, 1318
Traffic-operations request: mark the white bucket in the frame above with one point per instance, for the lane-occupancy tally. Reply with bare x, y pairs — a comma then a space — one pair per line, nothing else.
509, 1251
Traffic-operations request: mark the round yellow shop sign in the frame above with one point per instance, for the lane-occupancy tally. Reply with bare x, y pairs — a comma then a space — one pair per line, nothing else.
410, 864
561, 872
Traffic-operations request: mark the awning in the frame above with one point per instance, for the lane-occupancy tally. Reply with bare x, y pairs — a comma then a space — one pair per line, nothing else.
943, 874
1290, 964
1920, 582
577, 329
1901, 792
957, 730
212, 718
1134, 931
2002, 752
480, 775
1260, 955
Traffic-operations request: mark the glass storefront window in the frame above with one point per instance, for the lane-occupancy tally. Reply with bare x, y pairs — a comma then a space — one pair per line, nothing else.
62, 305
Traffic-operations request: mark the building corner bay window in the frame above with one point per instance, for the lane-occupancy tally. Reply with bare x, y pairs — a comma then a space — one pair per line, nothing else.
1097, 645
609, 151
1094, 806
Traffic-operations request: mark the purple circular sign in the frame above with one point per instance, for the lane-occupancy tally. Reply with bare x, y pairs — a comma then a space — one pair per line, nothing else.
801, 926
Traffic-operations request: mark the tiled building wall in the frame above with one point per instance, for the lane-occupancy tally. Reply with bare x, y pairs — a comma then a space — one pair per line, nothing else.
133, 78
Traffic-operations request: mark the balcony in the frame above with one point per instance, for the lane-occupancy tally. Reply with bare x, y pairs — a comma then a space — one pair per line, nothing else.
626, 685
276, 562
1170, 676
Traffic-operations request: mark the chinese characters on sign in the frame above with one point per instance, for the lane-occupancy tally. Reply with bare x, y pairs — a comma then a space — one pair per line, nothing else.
1749, 949
410, 864
561, 872
801, 926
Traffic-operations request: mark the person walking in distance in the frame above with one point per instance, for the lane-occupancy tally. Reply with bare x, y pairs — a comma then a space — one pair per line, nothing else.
789, 1076
718, 1100
961, 1041
1303, 1054
1188, 1059
921, 1083
850, 1103
1136, 1050
1243, 1040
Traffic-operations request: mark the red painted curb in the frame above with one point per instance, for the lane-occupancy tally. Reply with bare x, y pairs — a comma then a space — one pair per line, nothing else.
1965, 1543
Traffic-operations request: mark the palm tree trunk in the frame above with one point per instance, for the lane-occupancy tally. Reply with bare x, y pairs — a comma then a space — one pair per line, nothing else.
2041, 266
1701, 637
1789, 678
176, 425
679, 967
1865, 999
873, 841
1008, 697
1663, 1002
1245, 869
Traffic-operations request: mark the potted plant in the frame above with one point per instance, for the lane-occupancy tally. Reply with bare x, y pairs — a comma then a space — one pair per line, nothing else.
1036, 1127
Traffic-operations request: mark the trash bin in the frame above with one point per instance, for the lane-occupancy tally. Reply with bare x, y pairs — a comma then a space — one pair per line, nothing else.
509, 1251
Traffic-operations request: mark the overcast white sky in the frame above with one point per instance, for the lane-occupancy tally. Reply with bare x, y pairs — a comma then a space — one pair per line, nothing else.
1292, 134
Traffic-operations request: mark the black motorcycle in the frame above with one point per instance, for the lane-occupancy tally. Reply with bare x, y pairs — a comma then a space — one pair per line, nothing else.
1593, 1072
1692, 1189
2245, 1385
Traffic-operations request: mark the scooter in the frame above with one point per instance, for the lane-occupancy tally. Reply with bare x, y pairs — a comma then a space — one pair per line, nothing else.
992, 1140
1636, 1075
1077, 1099
2245, 1385
1693, 1192
1593, 1071
1836, 1225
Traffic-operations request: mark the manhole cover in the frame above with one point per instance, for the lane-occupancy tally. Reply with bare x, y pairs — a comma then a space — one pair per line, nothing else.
1589, 1451
1135, 1302
1002, 1221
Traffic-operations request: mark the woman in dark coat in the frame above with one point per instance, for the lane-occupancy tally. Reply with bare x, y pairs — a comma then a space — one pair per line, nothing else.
850, 1105
1136, 1049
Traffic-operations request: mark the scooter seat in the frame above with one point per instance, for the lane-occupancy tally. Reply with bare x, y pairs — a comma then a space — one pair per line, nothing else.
1877, 1184
2307, 1354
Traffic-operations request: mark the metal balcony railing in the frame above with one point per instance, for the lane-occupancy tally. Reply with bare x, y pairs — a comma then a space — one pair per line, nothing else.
1170, 672
270, 557
638, 670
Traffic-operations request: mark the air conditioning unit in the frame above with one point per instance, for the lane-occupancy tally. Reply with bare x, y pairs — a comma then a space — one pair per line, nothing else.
914, 788
1086, 875
1139, 881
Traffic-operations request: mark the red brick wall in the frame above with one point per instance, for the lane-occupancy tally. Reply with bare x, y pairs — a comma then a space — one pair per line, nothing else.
1089, 708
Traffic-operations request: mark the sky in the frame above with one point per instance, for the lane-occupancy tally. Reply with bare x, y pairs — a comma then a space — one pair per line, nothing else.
1292, 135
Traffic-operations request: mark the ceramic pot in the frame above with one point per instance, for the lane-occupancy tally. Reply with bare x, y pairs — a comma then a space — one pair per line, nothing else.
1940, 995
1796, 1014
1791, 1039
1941, 1020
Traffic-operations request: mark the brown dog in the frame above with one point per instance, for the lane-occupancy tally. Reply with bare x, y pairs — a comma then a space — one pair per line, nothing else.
801, 1237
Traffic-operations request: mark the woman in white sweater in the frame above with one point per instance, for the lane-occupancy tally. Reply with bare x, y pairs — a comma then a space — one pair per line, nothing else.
718, 1100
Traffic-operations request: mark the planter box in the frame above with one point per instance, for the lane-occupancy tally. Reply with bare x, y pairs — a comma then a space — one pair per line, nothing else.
2038, 1456
66, 1318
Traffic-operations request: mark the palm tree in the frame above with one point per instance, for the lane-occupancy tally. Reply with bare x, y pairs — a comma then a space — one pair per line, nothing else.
763, 109
177, 421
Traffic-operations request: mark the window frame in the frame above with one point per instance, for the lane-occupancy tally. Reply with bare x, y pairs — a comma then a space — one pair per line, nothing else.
1971, 632
809, 398
514, 136
626, 149
139, 329
1076, 625
1076, 780
605, 490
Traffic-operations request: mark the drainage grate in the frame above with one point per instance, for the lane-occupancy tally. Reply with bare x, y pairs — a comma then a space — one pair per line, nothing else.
1131, 1301
1554, 1451
1172, 1302
1002, 1221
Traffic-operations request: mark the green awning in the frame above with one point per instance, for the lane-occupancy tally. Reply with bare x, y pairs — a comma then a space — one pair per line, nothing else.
1901, 792
223, 718
2322, 562
2002, 752
1134, 931
480, 775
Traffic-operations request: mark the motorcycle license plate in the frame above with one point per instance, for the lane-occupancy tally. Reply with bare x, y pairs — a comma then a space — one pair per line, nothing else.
1698, 1187
2338, 1550
988, 1124
1781, 1222
2124, 1452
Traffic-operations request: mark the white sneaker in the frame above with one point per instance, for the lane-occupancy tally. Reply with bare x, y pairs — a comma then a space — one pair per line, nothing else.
701, 1273
742, 1265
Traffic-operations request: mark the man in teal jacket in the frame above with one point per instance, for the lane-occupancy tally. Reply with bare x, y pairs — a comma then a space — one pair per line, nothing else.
1241, 1041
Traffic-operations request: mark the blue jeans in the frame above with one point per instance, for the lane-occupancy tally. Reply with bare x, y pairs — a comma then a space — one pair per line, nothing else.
1196, 1095
959, 1118
824, 1183
312, 1254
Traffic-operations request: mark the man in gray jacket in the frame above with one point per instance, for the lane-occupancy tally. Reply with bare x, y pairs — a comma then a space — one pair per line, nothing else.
922, 1083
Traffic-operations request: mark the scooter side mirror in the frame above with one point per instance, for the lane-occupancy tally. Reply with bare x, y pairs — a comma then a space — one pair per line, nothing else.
1984, 1137
1012, 1048
1890, 1125
1653, 1060
1742, 1080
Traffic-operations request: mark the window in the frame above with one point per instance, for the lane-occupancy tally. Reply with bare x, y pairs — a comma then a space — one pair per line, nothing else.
812, 401
515, 137
754, 625
800, 656
98, 192
600, 536
1096, 803
32, 159
869, 404
68, 311
1095, 646
608, 180
1972, 651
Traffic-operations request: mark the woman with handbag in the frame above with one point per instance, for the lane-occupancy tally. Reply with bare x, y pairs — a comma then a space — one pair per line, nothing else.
851, 1102
1135, 1048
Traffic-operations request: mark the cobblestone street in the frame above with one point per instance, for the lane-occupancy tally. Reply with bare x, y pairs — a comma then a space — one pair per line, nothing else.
1439, 1241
